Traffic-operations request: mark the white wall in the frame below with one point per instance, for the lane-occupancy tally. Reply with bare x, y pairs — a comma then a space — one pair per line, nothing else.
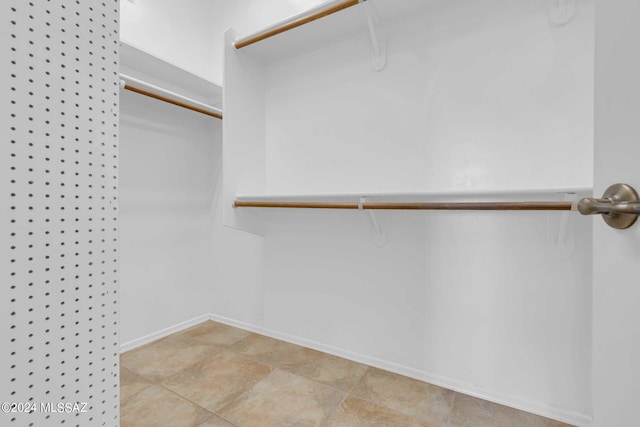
616, 294
476, 97
484, 97
190, 33
178, 31
169, 163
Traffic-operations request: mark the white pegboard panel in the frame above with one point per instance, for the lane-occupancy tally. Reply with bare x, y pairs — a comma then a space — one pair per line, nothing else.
61, 153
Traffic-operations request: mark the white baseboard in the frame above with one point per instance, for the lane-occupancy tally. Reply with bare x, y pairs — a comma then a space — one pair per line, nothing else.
452, 384
139, 342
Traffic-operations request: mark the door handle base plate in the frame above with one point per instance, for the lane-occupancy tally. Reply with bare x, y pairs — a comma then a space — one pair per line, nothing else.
620, 193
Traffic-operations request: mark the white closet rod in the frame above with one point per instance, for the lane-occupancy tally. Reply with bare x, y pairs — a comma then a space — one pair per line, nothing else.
156, 92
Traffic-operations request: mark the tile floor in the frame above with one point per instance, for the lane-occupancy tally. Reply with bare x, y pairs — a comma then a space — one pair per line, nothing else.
214, 375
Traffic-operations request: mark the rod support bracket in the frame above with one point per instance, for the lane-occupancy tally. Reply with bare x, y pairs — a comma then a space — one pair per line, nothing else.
379, 239
619, 206
378, 42
562, 11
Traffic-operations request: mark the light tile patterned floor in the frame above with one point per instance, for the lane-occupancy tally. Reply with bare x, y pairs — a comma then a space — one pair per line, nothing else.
214, 375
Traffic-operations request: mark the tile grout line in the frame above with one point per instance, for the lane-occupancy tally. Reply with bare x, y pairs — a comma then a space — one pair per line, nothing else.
453, 402
333, 411
198, 405
217, 416
346, 393
273, 339
359, 380
241, 395
203, 342
222, 350
382, 405
212, 414
134, 394
216, 413
193, 341
222, 418
219, 348
279, 367
375, 403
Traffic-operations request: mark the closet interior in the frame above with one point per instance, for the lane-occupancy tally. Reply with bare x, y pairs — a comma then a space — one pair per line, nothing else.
379, 102
321, 212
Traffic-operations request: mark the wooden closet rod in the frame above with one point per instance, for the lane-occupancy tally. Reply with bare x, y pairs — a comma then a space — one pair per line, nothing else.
295, 21
453, 206
152, 91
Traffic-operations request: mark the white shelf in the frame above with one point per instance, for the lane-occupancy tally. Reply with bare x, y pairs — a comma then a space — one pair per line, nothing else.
143, 65
328, 30
453, 195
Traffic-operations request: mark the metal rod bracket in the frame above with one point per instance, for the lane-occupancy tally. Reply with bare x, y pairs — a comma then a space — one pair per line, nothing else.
379, 47
562, 11
619, 206
564, 243
378, 239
